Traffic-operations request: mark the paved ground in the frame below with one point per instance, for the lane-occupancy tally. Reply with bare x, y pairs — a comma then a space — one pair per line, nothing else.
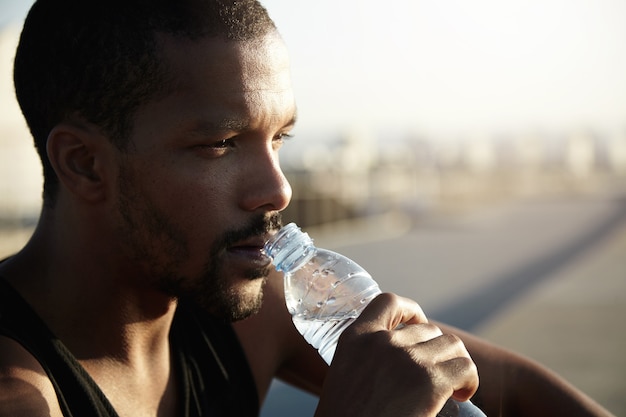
574, 322
544, 277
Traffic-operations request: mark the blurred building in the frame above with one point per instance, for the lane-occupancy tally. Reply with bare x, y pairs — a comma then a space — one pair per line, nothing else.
359, 176
20, 170
616, 151
580, 154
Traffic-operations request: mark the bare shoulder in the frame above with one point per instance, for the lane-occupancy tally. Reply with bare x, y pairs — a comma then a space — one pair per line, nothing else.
25, 390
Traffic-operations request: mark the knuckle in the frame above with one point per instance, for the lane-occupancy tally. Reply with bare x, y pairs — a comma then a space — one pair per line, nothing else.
465, 364
433, 328
453, 340
389, 299
454, 344
424, 332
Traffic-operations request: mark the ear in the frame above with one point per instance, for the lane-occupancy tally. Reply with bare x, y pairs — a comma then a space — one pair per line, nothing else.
78, 156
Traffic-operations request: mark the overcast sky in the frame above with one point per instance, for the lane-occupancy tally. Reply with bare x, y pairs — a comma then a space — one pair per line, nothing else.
451, 65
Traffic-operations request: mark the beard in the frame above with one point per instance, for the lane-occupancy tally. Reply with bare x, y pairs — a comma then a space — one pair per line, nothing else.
159, 247
214, 293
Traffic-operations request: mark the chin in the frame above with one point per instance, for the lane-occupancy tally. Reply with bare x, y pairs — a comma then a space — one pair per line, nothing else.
246, 303
234, 302
250, 293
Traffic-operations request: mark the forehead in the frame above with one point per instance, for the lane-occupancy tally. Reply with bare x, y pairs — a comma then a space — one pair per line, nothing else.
250, 65
213, 77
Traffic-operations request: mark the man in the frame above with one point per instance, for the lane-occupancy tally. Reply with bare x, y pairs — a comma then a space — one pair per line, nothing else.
159, 124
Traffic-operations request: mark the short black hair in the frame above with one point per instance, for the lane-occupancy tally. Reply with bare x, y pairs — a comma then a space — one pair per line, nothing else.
99, 59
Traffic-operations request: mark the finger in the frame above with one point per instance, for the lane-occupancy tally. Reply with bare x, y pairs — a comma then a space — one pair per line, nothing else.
387, 311
413, 334
463, 376
441, 348
452, 361
444, 354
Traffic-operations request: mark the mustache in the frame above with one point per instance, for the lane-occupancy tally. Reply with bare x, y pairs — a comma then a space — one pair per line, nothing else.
260, 225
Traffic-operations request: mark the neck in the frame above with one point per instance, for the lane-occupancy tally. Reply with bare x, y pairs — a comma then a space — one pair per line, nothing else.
98, 314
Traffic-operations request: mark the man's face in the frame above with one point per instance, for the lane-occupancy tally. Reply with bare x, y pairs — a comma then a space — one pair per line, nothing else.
200, 186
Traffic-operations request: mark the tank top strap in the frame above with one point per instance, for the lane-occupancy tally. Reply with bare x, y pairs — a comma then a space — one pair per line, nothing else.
76, 391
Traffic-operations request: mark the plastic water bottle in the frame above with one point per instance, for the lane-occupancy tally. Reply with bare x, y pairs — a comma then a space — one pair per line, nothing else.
325, 292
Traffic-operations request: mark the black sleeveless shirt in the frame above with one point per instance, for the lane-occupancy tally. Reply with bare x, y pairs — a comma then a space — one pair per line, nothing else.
212, 371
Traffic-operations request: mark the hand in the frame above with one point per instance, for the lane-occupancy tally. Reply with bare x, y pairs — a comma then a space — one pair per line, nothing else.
382, 370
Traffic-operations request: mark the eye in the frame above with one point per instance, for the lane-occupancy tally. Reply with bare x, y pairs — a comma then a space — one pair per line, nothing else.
223, 144
216, 149
280, 139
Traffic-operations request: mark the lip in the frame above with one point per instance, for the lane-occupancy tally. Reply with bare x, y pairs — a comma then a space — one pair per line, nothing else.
251, 250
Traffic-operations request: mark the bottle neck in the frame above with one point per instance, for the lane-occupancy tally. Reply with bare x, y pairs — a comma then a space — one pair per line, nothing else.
290, 248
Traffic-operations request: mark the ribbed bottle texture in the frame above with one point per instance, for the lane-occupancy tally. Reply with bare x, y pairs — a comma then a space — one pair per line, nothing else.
325, 292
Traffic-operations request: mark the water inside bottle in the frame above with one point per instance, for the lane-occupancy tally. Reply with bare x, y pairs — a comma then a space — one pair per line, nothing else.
322, 334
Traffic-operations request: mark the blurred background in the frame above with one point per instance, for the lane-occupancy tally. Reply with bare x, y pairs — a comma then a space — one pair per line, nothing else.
471, 155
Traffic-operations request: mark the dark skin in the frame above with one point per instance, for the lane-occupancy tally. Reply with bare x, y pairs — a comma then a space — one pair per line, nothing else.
95, 262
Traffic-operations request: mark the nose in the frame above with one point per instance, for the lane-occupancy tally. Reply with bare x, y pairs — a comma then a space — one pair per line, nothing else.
265, 185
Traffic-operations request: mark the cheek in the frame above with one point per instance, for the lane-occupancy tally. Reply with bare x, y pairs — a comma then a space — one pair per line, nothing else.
198, 200
192, 192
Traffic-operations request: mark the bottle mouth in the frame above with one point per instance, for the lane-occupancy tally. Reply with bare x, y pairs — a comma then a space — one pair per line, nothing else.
288, 248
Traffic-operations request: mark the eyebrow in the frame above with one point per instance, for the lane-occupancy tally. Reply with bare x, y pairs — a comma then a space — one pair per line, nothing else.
230, 124
292, 121
234, 124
